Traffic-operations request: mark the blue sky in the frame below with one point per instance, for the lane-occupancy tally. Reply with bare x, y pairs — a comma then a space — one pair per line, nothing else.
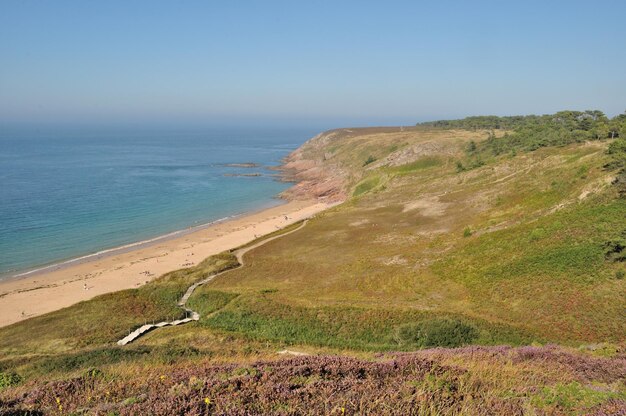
329, 62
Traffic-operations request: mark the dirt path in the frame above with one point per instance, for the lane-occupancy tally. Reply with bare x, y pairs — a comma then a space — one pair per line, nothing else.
190, 314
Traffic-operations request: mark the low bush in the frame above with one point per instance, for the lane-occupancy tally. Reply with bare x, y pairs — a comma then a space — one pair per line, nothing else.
537, 234
615, 250
370, 159
9, 380
438, 332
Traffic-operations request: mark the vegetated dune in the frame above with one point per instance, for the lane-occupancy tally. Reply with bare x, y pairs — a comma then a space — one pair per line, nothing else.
450, 235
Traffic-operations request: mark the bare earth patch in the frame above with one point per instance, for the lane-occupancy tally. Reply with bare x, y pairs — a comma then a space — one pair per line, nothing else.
429, 207
394, 261
359, 223
595, 187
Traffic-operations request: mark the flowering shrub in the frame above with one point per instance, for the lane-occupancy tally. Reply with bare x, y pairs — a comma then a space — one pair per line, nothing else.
423, 382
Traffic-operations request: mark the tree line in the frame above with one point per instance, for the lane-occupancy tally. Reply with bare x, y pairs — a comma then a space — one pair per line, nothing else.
531, 132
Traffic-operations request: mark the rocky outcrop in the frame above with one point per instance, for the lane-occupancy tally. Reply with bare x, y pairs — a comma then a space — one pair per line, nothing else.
315, 174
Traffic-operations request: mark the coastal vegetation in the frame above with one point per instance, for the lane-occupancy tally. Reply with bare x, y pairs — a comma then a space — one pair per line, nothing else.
491, 238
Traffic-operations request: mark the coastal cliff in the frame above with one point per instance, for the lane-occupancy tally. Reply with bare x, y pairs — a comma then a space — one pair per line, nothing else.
328, 165
314, 172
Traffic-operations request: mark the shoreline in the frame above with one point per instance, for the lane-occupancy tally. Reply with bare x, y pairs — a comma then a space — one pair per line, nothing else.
124, 248
60, 285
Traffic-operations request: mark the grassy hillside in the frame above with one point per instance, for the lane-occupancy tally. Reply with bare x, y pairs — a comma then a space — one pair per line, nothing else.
514, 248
448, 237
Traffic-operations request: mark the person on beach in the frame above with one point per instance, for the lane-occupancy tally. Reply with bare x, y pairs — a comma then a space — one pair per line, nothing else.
85, 286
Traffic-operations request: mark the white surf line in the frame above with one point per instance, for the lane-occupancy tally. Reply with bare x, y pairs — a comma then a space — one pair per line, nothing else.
195, 316
125, 247
5, 275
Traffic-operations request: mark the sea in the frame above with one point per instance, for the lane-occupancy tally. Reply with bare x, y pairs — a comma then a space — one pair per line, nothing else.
67, 193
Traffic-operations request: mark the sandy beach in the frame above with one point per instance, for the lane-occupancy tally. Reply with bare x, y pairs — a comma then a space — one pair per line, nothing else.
50, 290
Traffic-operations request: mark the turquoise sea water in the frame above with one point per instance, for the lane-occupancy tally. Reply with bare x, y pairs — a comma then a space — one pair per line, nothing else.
65, 194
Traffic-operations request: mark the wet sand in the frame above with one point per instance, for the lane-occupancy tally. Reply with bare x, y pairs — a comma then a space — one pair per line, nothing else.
50, 290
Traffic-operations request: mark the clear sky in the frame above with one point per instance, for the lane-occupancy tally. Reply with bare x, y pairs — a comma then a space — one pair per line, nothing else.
334, 62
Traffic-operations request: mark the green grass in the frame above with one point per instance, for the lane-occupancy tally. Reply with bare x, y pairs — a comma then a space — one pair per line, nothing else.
423, 163
552, 270
572, 398
366, 186
356, 328
281, 231
9, 379
206, 301
107, 318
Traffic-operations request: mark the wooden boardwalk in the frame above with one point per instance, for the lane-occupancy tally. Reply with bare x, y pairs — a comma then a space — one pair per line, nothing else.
182, 303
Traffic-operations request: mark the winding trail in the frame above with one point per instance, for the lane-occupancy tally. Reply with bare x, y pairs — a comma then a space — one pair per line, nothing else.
193, 315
